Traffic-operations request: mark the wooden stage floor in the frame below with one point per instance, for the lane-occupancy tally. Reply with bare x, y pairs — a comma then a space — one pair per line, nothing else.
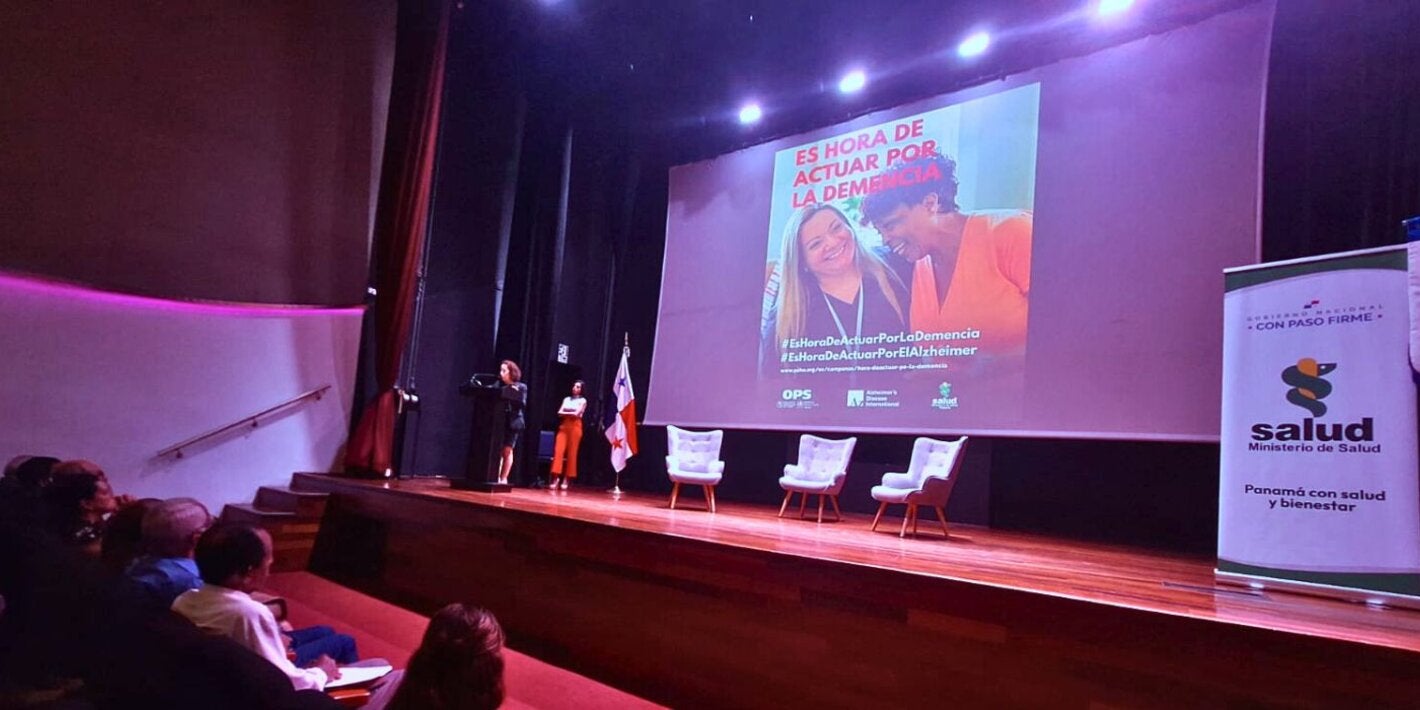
978, 587
1131, 578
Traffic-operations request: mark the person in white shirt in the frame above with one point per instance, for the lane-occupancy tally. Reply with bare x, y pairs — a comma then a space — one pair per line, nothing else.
234, 560
569, 437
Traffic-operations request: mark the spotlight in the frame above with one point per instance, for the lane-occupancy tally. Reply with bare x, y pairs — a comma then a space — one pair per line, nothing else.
974, 45
751, 113
852, 82
1110, 8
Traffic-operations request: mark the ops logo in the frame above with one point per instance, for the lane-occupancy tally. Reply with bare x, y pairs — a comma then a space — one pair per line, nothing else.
797, 395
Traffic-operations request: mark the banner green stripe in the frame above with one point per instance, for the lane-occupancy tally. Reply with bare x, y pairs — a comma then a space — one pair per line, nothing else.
1394, 260
1408, 584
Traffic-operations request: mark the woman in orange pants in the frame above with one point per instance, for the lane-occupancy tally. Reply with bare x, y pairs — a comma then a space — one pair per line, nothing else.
569, 437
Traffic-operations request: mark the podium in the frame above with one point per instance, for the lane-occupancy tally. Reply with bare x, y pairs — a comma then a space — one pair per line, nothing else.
485, 441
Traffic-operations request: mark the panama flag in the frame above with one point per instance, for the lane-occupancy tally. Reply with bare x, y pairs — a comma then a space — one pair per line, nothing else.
622, 432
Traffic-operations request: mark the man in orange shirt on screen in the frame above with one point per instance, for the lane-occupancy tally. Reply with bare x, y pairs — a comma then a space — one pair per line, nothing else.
971, 271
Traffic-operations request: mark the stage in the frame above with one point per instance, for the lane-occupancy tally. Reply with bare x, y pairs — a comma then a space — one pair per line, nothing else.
743, 608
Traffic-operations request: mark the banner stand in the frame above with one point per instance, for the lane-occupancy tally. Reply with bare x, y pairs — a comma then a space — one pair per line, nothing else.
1319, 491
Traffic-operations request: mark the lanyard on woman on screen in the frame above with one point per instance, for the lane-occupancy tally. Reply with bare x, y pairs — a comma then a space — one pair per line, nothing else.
862, 296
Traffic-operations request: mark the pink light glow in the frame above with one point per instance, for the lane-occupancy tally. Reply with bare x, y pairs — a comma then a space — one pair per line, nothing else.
46, 288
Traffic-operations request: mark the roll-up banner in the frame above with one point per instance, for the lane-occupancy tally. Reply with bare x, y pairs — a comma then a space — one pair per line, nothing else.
1319, 489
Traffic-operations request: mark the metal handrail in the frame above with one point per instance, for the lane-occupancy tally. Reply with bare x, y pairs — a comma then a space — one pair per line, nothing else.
251, 421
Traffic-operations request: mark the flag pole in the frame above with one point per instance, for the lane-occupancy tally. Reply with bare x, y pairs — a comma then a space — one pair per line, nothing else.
625, 353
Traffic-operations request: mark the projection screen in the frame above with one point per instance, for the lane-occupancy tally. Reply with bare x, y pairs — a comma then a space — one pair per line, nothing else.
1038, 256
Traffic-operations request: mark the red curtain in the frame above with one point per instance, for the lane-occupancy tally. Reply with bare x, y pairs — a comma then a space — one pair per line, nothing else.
402, 215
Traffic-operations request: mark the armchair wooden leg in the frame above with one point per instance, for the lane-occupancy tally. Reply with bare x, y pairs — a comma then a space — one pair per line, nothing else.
709, 498
820, 507
837, 514
675, 493
787, 495
942, 516
906, 517
914, 521
712, 499
803, 502
881, 507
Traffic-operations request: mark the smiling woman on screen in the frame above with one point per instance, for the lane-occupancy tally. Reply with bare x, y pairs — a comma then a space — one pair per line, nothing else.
833, 286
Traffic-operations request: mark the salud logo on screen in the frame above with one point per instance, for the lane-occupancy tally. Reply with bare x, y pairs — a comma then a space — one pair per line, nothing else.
1308, 388
945, 400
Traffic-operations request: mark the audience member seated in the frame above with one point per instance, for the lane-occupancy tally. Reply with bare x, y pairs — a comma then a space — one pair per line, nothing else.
26, 474
67, 640
91, 468
22, 486
459, 664
234, 560
77, 503
168, 540
123, 536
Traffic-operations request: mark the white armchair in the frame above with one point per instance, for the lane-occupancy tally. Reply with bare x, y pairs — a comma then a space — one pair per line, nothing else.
695, 459
821, 471
929, 480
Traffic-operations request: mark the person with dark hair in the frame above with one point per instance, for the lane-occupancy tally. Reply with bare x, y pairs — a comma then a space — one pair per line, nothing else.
458, 665
972, 270
77, 502
234, 560
169, 534
123, 536
29, 472
23, 483
89, 467
569, 437
515, 398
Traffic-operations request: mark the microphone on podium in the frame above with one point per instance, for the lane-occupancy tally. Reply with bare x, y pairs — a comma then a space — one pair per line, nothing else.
482, 380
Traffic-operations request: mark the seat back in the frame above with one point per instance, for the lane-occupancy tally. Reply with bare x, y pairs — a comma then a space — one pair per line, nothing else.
694, 450
934, 468
546, 445
822, 459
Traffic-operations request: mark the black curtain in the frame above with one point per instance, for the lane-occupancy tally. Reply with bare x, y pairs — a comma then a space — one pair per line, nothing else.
1342, 156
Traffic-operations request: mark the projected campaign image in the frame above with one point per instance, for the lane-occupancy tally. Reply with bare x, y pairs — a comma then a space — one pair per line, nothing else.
896, 248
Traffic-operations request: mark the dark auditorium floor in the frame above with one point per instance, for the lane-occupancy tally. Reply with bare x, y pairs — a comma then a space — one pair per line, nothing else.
384, 630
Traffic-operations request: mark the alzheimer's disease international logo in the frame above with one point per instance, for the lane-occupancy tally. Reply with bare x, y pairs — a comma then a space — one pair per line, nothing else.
1308, 387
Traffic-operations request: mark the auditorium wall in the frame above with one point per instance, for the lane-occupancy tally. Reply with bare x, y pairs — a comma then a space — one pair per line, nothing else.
223, 159
223, 150
117, 378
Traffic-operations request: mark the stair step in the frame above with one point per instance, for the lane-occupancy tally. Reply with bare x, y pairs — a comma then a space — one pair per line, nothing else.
300, 485
279, 523
292, 536
251, 513
305, 504
292, 555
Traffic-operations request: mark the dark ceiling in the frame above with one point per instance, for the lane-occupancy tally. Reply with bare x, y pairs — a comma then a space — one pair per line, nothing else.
672, 66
